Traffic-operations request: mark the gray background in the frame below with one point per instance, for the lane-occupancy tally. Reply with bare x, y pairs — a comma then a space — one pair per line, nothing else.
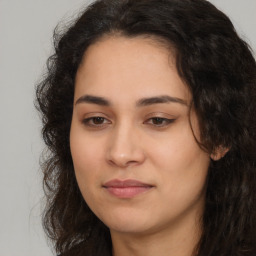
26, 28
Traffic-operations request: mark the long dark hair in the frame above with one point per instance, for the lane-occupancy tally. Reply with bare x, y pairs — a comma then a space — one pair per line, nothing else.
220, 71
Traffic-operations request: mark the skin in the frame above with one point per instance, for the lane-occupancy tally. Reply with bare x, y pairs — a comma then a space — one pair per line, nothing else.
124, 140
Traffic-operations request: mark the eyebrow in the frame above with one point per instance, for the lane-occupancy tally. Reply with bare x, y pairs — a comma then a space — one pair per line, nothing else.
160, 99
140, 103
93, 100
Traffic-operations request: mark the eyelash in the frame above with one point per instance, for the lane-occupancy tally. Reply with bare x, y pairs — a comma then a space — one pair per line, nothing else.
166, 121
90, 122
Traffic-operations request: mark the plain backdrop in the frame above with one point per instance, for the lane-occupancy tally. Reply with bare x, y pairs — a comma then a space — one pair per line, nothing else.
26, 28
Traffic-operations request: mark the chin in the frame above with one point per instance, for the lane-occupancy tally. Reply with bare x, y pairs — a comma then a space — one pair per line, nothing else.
129, 228
127, 222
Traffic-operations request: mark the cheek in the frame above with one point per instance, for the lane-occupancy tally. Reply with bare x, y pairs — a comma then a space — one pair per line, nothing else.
87, 158
84, 154
182, 165
179, 148
85, 149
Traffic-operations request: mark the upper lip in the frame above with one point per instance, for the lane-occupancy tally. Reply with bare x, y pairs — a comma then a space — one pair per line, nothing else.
126, 183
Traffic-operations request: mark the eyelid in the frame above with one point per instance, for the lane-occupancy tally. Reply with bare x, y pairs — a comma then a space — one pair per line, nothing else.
160, 115
94, 114
166, 118
85, 120
166, 122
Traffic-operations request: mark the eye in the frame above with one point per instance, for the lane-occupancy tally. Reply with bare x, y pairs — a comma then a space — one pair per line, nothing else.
95, 121
159, 121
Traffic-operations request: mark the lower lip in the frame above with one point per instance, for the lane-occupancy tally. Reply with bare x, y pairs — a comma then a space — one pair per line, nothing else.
127, 192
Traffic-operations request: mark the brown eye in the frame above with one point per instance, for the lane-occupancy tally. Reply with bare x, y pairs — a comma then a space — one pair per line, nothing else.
98, 120
95, 121
159, 121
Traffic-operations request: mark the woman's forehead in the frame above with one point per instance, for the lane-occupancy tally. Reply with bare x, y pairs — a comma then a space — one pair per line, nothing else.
133, 66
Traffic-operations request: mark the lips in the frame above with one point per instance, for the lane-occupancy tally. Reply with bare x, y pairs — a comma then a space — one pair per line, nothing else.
126, 188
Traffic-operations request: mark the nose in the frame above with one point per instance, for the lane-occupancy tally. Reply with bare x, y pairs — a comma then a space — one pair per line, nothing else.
125, 147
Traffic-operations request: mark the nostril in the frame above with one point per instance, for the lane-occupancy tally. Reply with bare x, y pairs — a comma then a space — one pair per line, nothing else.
124, 161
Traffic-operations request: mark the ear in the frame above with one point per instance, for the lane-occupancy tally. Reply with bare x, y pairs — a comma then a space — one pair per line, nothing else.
219, 153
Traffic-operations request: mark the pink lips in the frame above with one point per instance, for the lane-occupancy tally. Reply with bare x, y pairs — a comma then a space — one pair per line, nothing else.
126, 188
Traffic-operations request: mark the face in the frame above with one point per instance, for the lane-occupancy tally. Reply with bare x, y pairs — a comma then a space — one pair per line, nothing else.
136, 160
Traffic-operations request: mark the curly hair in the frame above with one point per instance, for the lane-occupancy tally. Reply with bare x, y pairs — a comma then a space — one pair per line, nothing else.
219, 69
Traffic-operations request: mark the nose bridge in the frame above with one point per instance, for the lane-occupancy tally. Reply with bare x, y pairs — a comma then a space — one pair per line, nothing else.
124, 147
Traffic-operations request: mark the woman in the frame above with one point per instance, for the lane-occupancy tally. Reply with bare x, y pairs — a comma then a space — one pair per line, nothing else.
148, 110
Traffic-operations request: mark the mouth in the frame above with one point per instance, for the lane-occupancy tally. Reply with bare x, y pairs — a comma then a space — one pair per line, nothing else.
126, 188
